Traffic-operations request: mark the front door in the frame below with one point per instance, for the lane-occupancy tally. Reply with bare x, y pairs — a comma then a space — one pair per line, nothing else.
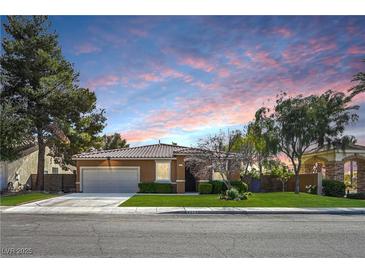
190, 181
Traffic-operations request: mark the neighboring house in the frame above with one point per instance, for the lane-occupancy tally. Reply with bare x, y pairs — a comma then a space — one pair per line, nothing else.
120, 170
336, 163
18, 172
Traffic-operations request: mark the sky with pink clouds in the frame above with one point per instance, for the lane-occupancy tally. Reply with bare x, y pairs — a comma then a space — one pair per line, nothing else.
180, 78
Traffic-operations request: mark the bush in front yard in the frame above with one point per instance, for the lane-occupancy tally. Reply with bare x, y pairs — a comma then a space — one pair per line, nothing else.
359, 195
240, 186
220, 187
217, 187
155, 188
311, 189
333, 188
205, 188
234, 194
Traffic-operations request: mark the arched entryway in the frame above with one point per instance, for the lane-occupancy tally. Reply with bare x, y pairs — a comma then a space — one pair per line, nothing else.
345, 165
315, 165
354, 173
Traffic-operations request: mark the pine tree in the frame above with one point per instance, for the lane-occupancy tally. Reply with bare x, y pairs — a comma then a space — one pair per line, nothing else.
42, 88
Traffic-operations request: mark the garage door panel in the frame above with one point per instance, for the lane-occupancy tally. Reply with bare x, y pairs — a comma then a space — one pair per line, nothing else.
110, 180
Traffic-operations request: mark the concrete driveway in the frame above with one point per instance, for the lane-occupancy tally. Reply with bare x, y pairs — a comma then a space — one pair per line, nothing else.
83, 200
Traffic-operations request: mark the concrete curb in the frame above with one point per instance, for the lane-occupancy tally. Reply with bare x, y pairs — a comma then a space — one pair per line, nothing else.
177, 210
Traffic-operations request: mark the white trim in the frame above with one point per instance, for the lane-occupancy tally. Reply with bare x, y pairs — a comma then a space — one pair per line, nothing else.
121, 159
170, 171
180, 181
107, 167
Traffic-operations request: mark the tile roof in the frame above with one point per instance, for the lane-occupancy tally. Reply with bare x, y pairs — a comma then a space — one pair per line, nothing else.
347, 147
157, 151
355, 146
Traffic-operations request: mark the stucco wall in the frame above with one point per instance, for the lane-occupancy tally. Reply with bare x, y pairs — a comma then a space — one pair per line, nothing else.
147, 167
25, 166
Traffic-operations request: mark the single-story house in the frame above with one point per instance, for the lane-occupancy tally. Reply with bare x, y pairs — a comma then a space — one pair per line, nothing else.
19, 171
120, 170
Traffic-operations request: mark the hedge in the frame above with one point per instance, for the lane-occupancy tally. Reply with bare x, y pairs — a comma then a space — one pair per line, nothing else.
220, 187
205, 188
360, 195
155, 188
333, 188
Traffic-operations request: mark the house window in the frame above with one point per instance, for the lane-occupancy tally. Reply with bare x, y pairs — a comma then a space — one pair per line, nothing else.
54, 170
163, 170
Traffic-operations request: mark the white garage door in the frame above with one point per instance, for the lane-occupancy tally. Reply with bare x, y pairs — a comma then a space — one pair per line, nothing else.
110, 180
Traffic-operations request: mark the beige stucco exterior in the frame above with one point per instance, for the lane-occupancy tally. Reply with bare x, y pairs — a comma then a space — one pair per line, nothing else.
147, 169
331, 163
19, 171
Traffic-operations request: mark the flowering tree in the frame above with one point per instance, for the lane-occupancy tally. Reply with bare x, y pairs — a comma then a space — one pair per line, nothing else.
222, 153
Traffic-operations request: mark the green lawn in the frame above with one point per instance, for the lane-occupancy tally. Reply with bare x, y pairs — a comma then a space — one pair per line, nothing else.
277, 199
13, 200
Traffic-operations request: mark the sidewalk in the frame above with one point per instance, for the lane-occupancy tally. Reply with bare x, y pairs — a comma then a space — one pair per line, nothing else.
178, 210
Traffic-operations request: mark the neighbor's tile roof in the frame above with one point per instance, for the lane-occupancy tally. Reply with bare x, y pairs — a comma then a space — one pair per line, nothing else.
361, 148
142, 152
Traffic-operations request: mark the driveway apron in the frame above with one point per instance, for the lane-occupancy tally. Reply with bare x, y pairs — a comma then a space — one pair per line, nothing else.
83, 200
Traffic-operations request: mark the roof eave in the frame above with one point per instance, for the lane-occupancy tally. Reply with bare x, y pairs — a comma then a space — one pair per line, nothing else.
114, 158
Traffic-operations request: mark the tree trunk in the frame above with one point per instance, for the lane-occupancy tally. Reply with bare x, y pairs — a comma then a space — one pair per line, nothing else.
260, 168
41, 157
225, 179
297, 182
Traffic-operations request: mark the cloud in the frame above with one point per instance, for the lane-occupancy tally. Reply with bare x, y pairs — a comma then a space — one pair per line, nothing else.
172, 73
150, 77
283, 32
86, 48
332, 60
198, 74
191, 114
309, 51
355, 50
197, 63
318, 45
107, 37
138, 32
223, 72
264, 58
103, 81
137, 135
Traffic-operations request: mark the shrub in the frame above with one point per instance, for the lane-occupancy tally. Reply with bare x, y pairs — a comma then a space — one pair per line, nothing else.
244, 196
311, 189
155, 188
240, 186
218, 187
232, 194
205, 188
333, 188
146, 187
360, 195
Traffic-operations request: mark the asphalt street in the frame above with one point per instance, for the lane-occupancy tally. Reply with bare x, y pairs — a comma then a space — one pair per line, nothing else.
182, 235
